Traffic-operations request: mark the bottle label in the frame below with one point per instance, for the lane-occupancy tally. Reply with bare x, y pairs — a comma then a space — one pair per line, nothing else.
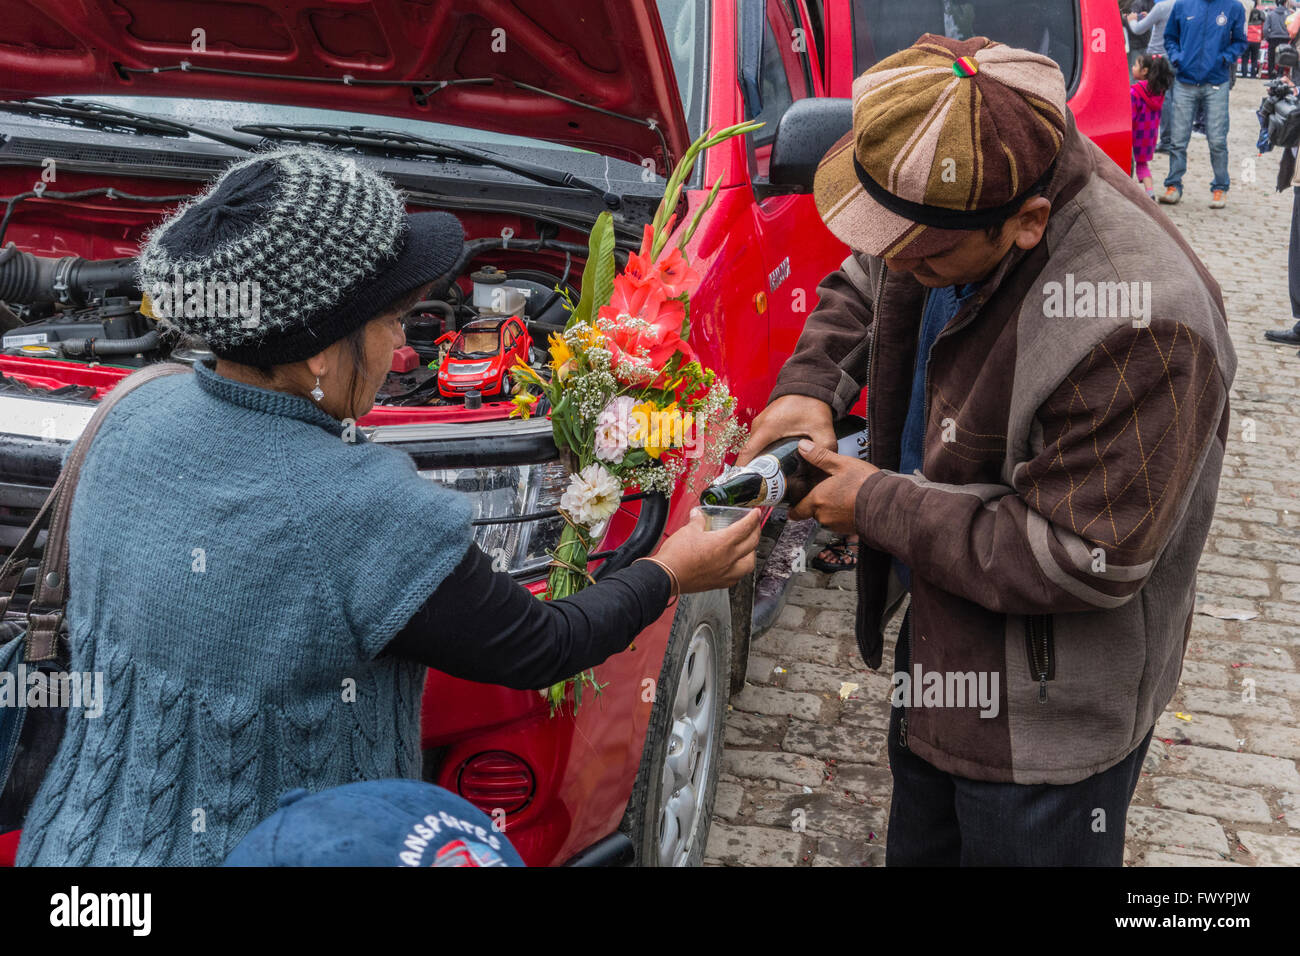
773, 479
769, 469
765, 465
775, 488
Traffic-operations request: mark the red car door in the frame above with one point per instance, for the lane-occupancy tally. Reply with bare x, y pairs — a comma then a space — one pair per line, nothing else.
796, 246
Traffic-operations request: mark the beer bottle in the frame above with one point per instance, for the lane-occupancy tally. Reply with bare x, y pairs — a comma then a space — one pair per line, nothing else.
768, 478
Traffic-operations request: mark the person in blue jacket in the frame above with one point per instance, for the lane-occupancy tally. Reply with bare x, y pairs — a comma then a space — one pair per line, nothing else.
1203, 40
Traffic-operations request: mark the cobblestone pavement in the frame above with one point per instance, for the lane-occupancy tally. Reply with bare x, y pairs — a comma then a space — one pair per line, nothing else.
1220, 785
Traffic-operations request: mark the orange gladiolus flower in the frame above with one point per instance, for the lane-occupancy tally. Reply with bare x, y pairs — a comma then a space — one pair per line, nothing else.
675, 273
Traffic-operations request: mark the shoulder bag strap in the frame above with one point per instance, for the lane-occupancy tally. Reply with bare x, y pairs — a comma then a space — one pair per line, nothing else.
45, 612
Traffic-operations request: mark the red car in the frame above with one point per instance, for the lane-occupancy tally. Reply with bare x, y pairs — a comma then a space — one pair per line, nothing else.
481, 356
556, 115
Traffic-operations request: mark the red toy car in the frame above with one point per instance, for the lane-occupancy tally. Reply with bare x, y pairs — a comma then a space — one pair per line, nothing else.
569, 110
481, 356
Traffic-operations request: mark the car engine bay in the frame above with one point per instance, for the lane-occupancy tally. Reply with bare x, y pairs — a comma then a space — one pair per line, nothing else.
92, 312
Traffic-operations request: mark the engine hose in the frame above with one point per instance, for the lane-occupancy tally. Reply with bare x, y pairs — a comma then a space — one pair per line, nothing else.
11, 202
87, 347
476, 247
29, 279
442, 308
555, 294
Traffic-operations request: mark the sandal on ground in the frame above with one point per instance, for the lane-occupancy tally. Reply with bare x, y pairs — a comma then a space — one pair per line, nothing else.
840, 556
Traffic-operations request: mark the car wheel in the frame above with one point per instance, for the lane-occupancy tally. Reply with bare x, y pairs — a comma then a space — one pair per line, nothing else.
671, 807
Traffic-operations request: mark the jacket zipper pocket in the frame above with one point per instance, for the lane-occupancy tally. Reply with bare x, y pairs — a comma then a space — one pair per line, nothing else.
1040, 645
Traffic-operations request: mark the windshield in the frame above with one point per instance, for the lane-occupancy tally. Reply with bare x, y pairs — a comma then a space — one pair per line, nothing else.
685, 24
479, 343
883, 27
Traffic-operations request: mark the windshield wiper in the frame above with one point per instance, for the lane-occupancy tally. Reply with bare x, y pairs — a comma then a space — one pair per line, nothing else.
120, 119
371, 139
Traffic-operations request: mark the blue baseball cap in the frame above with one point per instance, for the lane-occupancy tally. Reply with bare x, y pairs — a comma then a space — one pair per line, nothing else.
375, 823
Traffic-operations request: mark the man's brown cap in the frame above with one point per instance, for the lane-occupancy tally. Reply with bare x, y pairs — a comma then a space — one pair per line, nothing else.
948, 136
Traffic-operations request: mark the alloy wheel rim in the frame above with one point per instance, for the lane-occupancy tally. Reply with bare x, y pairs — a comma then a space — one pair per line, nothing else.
690, 755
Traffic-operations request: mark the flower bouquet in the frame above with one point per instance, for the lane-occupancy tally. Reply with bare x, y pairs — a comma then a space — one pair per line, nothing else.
631, 405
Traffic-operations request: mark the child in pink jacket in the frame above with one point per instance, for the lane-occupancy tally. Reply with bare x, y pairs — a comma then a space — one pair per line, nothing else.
1152, 77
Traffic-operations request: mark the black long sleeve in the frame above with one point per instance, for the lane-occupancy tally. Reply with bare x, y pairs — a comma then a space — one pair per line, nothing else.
482, 625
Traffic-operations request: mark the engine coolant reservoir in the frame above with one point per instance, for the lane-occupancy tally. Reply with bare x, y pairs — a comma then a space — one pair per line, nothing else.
493, 296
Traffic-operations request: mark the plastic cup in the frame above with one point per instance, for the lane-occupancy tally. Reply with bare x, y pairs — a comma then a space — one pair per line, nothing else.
717, 517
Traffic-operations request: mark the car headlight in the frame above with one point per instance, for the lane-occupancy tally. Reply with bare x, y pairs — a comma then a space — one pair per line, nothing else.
511, 492
469, 368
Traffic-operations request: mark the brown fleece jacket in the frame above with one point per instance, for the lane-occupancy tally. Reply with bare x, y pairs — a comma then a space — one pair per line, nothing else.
1077, 414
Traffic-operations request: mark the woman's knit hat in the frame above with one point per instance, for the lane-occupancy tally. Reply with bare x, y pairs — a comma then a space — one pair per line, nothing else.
288, 252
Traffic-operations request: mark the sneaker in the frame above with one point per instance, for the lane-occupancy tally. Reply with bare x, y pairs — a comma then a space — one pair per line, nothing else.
1219, 199
1171, 195
1283, 336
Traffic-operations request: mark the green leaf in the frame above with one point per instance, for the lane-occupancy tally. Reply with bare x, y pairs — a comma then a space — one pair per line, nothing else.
597, 274
699, 214
605, 266
560, 425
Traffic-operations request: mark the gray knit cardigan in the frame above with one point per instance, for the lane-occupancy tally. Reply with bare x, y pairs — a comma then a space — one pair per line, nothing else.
237, 567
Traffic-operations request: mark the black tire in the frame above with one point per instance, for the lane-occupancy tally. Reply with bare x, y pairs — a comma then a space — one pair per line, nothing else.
707, 617
741, 598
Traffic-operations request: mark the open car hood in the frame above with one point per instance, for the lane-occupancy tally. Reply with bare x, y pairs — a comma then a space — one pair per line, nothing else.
484, 63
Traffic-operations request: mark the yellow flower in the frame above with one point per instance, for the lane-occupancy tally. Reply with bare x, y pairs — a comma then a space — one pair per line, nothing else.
560, 351
591, 337
563, 362
673, 426
525, 374
523, 403
658, 429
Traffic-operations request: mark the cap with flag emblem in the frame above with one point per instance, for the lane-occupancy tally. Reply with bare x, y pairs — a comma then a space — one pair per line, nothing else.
948, 136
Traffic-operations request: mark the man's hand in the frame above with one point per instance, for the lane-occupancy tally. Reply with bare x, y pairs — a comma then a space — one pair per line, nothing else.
832, 501
789, 415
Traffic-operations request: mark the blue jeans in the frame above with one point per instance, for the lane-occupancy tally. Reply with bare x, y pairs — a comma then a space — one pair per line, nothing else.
1186, 99
940, 819
1166, 121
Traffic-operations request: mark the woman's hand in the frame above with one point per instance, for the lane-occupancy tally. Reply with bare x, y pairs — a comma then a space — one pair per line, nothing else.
705, 560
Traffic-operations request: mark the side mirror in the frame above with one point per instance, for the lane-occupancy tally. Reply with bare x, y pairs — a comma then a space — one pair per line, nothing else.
446, 337
808, 129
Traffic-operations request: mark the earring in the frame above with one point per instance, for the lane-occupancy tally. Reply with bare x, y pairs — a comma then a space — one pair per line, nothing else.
316, 392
